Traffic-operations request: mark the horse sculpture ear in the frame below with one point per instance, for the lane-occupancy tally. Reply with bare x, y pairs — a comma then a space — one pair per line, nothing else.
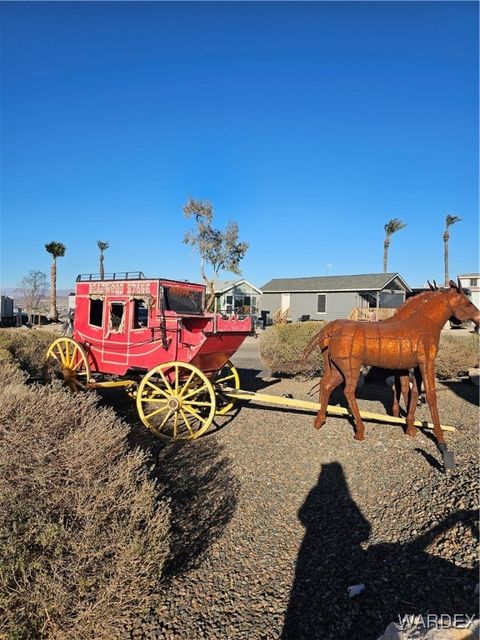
453, 285
430, 285
460, 288
435, 287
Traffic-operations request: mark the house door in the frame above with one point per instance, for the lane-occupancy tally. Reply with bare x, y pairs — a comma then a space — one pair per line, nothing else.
285, 302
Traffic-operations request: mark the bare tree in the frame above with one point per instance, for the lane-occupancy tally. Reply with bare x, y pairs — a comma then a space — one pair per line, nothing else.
449, 220
103, 246
219, 250
391, 227
32, 288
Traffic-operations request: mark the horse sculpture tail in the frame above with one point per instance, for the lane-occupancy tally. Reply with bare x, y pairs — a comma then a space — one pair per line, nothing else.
320, 340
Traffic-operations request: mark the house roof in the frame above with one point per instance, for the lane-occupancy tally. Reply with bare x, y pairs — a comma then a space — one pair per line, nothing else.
221, 286
469, 275
362, 282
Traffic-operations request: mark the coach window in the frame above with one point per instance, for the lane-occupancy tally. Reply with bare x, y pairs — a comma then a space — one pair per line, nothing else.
96, 313
116, 317
321, 303
140, 314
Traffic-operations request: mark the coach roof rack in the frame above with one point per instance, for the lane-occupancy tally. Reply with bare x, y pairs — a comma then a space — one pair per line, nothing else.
118, 275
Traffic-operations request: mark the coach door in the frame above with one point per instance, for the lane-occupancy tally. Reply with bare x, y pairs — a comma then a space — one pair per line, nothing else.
116, 331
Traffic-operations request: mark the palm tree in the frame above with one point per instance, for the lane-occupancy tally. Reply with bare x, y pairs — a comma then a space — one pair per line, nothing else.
56, 250
103, 246
449, 220
391, 227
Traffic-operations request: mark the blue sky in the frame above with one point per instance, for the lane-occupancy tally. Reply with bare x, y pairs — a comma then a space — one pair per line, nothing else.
310, 124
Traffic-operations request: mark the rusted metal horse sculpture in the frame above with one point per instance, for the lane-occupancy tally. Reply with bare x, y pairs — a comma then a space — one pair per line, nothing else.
402, 379
400, 344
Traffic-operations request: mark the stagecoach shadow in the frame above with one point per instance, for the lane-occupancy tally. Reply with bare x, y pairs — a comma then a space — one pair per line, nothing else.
198, 479
251, 380
400, 578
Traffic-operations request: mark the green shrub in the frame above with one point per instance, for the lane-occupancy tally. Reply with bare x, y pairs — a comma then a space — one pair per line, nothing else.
282, 348
457, 354
83, 532
28, 347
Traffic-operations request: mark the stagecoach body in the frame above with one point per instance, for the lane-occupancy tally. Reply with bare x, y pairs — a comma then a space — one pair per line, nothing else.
153, 337
129, 323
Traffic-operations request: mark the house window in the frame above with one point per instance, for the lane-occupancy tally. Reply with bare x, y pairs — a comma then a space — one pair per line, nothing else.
96, 313
473, 282
140, 314
229, 299
322, 303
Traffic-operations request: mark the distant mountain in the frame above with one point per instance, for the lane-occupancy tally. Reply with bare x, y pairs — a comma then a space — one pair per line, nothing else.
14, 292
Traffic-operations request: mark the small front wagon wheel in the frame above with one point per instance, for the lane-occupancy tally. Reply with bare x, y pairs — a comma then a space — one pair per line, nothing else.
176, 401
67, 359
227, 376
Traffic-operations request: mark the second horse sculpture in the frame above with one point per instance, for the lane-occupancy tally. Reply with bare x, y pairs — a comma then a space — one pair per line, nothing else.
399, 345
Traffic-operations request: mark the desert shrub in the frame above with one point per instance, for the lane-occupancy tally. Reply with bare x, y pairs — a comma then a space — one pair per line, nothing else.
282, 348
456, 355
28, 347
83, 529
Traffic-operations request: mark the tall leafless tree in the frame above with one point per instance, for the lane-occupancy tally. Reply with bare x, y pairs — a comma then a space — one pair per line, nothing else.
32, 289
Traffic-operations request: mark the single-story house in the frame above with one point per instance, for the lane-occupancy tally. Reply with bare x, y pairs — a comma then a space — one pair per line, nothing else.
366, 296
471, 281
237, 297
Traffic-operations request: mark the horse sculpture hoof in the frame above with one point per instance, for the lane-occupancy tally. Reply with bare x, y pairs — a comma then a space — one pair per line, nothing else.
448, 460
318, 423
411, 431
359, 436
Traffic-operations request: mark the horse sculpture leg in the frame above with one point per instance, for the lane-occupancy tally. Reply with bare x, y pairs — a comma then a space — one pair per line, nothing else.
330, 380
428, 376
350, 369
401, 387
412, 405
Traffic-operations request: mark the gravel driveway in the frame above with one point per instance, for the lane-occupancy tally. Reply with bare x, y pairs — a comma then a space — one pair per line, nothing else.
274, 520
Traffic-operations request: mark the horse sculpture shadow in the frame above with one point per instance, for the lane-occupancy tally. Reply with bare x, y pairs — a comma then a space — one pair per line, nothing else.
400, 578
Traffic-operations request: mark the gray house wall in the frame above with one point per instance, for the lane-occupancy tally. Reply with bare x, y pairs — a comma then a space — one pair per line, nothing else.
339, 304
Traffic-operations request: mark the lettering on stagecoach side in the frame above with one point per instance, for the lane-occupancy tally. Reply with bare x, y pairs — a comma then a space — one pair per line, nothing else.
135, 288
119, 288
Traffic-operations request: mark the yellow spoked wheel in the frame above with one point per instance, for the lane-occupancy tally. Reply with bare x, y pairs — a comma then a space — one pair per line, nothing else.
227, 376
67, 359
176, 401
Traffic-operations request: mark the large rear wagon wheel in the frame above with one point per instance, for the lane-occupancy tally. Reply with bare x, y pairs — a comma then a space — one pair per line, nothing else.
67, 359
176, 401
227, 376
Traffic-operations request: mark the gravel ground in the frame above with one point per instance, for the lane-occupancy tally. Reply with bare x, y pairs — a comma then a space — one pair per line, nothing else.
274, 520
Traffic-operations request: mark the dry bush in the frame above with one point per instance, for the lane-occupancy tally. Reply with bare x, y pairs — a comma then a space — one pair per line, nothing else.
282, 347
456, 355
83, 530
28, 347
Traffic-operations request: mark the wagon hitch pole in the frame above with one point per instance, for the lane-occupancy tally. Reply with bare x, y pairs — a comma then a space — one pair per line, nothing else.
240, 394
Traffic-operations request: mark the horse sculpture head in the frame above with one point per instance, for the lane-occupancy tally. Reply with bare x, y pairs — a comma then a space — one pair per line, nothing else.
460, 305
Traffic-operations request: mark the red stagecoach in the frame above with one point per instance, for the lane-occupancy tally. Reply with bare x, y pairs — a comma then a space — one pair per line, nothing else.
153, 337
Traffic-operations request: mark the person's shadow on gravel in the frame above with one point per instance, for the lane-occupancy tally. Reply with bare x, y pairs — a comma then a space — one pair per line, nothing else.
400, 578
